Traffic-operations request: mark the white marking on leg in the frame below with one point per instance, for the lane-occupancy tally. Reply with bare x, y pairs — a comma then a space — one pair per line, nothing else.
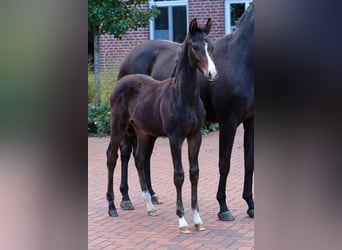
197, 218
211, 65
182, 222
147, 198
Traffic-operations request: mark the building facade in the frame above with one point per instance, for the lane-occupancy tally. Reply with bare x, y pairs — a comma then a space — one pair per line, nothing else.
172, 24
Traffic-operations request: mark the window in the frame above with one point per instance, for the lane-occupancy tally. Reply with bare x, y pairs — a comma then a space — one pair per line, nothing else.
171, 24
233, 11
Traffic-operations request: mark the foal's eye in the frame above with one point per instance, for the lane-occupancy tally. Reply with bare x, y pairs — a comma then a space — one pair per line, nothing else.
196, 47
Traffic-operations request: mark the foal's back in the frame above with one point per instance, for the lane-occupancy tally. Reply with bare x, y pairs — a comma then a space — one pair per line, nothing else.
139, 97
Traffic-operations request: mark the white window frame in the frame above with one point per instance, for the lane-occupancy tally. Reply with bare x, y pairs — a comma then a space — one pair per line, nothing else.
227, 3
169, 4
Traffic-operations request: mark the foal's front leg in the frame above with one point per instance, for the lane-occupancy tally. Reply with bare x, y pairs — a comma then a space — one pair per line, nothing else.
194, 144
178, 179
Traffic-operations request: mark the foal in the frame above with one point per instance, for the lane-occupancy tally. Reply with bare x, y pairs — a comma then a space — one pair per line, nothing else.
171, 108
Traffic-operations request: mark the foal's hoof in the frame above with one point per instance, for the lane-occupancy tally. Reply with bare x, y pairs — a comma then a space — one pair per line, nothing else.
199, 227
155, 200
250, 213
226, 216
184, 230
153, 212
126, 205
113, 213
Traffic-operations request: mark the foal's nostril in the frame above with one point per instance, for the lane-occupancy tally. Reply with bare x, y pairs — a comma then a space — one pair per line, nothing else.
212, 76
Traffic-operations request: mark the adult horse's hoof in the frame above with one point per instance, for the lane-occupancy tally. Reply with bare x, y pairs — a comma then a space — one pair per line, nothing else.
184, 230
199, 227
153, 212
250, 213
226, 216
155, 199
126, 205
113, 213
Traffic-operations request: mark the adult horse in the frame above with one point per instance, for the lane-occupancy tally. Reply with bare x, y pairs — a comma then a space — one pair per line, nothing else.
171, 108
229, 101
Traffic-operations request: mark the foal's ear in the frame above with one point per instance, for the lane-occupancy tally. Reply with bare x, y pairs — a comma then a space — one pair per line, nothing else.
193, 25
208, 26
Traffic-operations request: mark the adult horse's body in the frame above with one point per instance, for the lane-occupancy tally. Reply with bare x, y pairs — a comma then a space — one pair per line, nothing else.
229, 101
171, 108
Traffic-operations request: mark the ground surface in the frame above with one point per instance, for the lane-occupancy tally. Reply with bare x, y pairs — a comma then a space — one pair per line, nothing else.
136, 230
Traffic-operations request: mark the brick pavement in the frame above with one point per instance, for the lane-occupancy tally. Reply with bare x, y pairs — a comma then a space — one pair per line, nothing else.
136, 230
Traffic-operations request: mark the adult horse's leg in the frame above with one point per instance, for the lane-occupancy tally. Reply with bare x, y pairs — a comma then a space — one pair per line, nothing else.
126, 150
226, 139
178, 179
141, 149
147, 167
249, 164
193, 149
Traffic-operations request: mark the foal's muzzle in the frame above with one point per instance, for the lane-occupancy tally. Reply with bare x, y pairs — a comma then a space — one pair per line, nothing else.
211, 76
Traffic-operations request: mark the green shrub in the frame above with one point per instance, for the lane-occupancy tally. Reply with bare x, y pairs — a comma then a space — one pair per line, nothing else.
98, 120
209, 127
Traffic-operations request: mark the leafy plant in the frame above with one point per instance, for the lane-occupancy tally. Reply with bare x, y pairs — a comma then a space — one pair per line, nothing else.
209, 127
98, 120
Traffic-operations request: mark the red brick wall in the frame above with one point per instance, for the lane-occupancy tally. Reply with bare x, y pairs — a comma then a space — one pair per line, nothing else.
204, 9
112, 50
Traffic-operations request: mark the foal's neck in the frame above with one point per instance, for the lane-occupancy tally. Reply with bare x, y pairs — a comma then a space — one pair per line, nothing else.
185, 78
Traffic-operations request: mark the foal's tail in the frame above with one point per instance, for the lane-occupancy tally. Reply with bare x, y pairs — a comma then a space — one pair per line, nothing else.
119, 103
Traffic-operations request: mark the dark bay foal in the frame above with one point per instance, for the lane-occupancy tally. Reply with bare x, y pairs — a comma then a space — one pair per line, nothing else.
229, 101
171, 108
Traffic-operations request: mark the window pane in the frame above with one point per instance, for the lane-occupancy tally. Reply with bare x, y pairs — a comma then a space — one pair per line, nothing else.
236, 10
162, 24
179, 23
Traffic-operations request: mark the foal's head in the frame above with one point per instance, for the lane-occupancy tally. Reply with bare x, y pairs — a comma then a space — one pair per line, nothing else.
201, 49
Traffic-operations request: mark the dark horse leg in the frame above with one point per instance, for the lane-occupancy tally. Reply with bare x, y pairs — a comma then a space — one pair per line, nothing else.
119, 124
193, 149
226, 139
147, 168
178, 179
143, 143
249, 164
112, 156
126, 146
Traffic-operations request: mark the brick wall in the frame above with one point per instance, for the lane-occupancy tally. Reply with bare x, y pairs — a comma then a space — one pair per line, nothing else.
112, 50
204, 9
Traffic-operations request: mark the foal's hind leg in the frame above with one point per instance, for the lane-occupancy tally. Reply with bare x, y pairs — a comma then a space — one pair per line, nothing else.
193, 149
147, 168
126, 150
142, 144
119, 123
249, 164
111, 163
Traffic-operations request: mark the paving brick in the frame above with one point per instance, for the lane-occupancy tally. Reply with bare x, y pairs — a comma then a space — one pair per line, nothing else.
136, 230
